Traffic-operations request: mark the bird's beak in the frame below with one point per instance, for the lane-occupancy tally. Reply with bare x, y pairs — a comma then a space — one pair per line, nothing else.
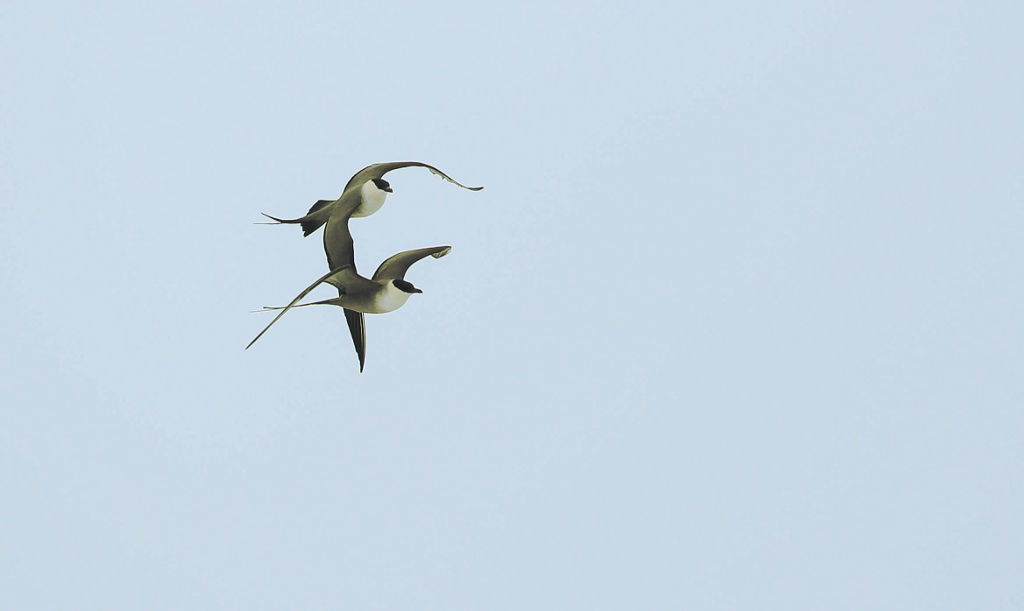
389, 190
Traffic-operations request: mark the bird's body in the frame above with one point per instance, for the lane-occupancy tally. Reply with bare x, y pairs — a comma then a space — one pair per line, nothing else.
387, 291
363, 195
365, 296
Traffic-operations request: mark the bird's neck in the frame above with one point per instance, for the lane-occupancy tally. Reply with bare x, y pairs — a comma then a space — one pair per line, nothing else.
371, 199
391, 298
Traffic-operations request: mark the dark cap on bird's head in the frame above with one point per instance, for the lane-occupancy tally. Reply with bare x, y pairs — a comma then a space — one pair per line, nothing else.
383, 185
406, 286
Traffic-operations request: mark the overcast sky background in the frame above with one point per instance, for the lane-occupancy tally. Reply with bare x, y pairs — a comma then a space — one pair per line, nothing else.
736, 322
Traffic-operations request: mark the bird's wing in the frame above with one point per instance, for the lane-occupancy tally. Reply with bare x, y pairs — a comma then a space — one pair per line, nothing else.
357, 327
338, 242
320, 204
378, 170
336, 277
395, 267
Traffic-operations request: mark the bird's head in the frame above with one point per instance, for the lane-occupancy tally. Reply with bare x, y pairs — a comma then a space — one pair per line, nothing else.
383, 185
405, 286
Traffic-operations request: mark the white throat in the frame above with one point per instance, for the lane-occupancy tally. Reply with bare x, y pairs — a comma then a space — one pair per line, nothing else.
372, 199
390, 299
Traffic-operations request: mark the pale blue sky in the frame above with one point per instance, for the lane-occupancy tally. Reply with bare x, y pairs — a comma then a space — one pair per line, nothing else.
735, 324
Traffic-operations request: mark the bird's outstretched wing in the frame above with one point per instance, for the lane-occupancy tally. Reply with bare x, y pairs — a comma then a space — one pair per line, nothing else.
378, 170
338, 243
394, 267
357, 327
320, 204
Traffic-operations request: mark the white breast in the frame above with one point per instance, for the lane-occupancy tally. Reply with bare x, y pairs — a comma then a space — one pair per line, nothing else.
372, 199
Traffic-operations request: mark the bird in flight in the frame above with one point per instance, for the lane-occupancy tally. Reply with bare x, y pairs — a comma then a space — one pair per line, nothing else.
363, 195
385, 292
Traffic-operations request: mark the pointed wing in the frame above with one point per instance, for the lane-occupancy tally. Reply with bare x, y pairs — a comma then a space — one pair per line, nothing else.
336, 277
357, 327
395, 267
378, 170
320, 204
338, 242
